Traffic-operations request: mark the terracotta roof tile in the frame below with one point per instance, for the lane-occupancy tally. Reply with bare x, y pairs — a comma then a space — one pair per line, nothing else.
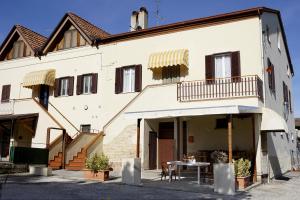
35, 40
92, 31
297, 122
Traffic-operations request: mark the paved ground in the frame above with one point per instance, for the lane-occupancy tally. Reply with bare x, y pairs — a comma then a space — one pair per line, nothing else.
58, 187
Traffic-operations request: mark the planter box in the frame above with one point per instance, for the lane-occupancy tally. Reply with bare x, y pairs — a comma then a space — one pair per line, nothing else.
242, 182
99, 176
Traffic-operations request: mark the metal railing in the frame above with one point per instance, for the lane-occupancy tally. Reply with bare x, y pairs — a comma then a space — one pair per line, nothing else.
233, 87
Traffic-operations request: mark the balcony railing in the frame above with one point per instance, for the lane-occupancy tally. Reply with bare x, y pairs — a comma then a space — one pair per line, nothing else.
233, 87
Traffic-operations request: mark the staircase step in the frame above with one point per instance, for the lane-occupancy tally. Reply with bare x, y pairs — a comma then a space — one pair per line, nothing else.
55, 164
76, 164
76, 159
74, 168
80, 155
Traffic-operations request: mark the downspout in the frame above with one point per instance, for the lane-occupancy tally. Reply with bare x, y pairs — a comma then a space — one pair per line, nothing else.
262, 57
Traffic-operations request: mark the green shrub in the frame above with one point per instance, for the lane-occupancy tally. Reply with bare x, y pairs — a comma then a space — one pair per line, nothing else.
97, 163
242, 167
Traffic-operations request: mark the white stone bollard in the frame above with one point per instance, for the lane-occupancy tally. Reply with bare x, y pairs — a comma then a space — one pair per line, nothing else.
131, 171
40, 170
224, 179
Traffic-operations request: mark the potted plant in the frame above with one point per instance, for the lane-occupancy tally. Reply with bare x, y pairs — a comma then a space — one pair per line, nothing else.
219, 157
98, 167
242, 172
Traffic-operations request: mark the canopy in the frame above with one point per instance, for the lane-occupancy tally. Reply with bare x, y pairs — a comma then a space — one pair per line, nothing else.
43, 77
168, 58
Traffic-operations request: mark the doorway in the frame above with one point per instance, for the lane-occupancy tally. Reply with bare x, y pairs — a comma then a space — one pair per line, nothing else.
166, 142
5, 133
44, 96
152, 150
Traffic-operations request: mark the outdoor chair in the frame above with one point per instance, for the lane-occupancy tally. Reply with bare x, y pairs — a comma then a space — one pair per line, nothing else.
165, 171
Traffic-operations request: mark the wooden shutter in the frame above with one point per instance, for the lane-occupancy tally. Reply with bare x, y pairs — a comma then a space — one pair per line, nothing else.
57, 87
5, 93
235, 66
138, 78
285, 92
79, 85
210, 69
273, 78
290, 101
119, 81
24, 50
94, 83
70, 85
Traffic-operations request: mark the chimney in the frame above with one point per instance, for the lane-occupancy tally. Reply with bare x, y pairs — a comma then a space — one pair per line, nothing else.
143, 18
139, 19
134, 21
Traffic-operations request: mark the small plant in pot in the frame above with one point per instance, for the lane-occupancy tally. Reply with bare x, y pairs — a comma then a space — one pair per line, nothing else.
242, 172
98, 167
219, 157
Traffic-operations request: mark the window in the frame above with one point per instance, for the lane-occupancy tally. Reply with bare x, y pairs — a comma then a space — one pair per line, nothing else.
18, 50
87, 84
286, 101
278, 40
222, 66
271, 76
221, 123
170, 74
64, 86
268, 34
64, 82
128, 79
85, 128
5, 93
70, 39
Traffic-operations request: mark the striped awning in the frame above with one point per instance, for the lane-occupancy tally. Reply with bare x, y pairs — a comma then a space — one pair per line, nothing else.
169, 58
43, 77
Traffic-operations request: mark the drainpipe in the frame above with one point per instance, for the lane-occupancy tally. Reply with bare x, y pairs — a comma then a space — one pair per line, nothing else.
262, 59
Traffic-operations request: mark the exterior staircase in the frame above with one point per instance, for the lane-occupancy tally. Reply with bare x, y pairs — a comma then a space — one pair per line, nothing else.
78, 161
56, 163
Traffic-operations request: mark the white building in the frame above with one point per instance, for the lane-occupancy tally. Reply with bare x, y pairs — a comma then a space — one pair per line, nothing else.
222, 82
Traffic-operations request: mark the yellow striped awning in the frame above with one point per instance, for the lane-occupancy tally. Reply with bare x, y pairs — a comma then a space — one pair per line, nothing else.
169, 58
42, 77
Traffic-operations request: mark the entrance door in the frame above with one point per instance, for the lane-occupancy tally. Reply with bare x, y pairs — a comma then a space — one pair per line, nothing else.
44, 95
166, 142
152, 150
4, 142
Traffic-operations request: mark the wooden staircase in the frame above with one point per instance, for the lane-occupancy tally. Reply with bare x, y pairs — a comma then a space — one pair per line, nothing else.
56, 163
78, 161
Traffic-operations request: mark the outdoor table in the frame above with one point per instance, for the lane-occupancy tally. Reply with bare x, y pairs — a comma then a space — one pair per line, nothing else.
181, 163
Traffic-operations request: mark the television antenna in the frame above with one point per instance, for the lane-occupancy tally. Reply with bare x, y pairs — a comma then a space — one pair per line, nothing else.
157, 13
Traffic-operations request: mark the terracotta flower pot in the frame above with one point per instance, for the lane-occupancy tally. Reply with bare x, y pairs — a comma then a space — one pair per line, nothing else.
242, 182
102, 175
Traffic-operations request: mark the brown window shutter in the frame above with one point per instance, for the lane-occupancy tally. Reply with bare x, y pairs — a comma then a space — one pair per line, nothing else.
79, 85
209, 69
5, 93
94, 83
138, 78
290, 101
71, 86
57, 87
119, 81
24, 50
273, 79
235, 66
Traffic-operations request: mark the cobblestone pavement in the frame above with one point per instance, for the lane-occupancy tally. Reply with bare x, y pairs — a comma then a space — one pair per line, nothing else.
56, 187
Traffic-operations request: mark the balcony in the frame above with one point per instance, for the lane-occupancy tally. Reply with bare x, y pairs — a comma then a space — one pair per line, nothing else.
233, 87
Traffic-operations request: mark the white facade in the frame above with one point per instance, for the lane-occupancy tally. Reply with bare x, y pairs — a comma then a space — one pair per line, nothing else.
160, 101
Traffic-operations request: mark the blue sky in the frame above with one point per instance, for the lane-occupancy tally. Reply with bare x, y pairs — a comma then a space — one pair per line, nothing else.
114, 16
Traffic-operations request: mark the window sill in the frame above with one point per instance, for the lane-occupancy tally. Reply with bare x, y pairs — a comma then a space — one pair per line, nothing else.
128, 92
